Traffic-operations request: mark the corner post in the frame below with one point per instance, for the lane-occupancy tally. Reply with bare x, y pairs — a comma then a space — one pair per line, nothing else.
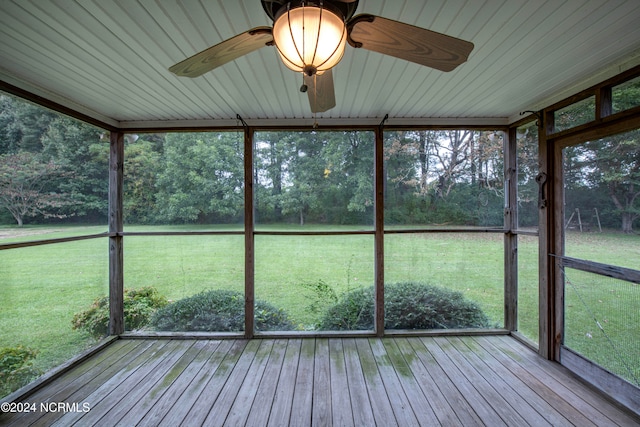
379, 228
551, 214
116, 275
511, 236
249, 240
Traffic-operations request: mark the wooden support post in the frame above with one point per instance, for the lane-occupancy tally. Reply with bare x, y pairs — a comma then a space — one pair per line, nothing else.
604, 102
116, 276
579, 219
510, 237
547, 213
555, 246
249, 241
379, 231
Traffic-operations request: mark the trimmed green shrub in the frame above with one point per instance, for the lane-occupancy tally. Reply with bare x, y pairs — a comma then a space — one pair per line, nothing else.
217, 310
407, 306
353, 311
139, 305
16, 368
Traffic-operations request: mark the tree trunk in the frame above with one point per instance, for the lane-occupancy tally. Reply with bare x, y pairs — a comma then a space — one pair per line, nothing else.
627, 222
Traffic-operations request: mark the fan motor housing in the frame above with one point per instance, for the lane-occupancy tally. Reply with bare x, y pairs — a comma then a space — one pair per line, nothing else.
346, 8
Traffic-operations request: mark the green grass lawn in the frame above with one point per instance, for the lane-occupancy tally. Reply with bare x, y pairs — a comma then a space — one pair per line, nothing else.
41, 287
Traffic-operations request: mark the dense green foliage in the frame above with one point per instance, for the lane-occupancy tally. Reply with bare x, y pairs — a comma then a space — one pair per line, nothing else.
604, 174
437, 177
407, 306
27, 185
139, 306
16, 368
64, 162
301, 177
218, 310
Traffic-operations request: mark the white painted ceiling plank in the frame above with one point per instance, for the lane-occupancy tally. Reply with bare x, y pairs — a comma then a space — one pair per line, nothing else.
98, 52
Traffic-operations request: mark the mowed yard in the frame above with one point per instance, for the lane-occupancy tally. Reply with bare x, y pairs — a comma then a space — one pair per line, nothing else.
42, 287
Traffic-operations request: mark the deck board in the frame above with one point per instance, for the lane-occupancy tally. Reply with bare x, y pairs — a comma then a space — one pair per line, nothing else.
109, 397
266, 391
204, 387
284, 391
381, 405
221, 398
151, 393
301, 409
243, 400
449, 403
465, 381
465, 385
400, 403
419, 403
504, 385
71, 383
185, 380
360, 402
539, 396
584, 399
321, 413
342, 414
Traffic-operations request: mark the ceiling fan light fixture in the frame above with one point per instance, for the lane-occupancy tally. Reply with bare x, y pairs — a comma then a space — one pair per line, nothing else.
310, 37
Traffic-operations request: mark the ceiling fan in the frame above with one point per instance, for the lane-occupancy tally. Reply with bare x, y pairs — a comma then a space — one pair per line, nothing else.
311, 35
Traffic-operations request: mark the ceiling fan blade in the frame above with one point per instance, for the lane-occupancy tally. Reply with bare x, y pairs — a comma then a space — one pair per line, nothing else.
223, 52
408, 42
322, 96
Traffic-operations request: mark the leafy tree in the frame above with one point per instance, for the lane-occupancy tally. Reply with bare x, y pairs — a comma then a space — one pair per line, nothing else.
73, 147
528, 169
323, 177
83, 151
10, 133
306, 172
271, 161
25, 187
142, 165
22, 125
607, 166
350, 172
615, 162
202, 178
444, 176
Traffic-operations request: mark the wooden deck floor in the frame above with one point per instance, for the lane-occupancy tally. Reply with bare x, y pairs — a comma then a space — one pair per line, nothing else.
299, 382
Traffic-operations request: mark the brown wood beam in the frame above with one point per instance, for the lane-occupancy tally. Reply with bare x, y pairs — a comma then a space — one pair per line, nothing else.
249, 240
379, 231
620, 273
116, 275
618, 123
510, 236
44, 102
546, 235
555, 246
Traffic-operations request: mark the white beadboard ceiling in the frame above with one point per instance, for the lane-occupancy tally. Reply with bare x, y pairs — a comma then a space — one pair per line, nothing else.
109, 59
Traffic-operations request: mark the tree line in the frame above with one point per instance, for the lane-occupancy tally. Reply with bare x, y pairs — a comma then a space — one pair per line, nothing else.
53, 168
